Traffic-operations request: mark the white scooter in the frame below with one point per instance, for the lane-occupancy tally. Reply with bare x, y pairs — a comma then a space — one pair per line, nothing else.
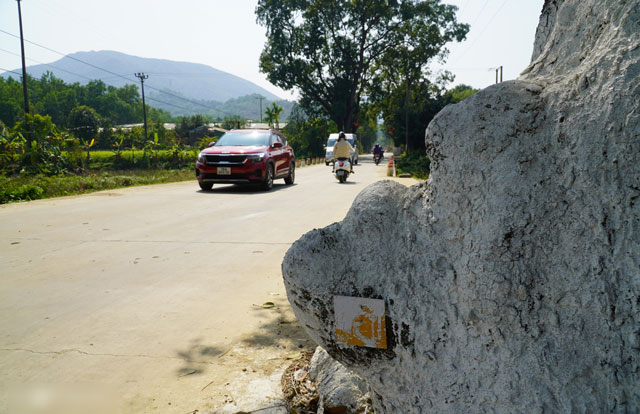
342, 169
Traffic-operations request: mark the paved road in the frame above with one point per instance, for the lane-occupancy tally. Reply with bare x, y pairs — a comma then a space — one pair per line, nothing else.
147, 299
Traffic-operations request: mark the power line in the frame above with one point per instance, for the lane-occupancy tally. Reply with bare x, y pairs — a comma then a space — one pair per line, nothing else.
72, 58
479, 35
10, 71
149, 98
491, 18
47, 64
480, 12
188, 100
85, 77
167, 103
120, 76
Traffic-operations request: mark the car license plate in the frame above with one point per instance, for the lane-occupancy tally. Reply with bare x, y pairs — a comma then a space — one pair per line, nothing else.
224, 170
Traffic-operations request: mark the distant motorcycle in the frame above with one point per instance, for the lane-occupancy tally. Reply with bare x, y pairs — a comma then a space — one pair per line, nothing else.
377, 158
342, 169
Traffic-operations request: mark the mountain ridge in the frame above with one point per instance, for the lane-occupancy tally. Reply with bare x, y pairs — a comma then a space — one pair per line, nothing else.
195, 81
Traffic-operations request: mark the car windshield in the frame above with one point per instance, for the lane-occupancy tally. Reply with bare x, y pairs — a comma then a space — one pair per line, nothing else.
256, 138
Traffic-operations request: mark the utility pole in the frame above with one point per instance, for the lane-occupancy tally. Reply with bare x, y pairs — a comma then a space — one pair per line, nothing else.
142, 77
261, 98
406, 107
499, 68
24, 67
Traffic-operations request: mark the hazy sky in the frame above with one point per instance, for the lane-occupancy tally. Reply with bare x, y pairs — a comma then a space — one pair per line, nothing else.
224, 34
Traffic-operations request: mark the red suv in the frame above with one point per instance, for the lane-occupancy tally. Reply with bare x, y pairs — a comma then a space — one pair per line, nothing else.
246, 156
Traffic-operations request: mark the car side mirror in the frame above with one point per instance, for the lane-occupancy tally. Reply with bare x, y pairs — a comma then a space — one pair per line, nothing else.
212, 143
277, 144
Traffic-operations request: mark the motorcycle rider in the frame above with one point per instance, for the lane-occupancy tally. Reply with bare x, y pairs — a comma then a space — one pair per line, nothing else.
378, 150
342, 149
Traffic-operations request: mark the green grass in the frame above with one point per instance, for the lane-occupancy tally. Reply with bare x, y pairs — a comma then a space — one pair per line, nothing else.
33, 187
139, 159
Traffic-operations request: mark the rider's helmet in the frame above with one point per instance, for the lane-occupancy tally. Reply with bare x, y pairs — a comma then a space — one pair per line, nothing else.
341, 135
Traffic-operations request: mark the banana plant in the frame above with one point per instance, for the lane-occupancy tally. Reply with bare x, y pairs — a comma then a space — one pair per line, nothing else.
117, 145
86, 145
153, 145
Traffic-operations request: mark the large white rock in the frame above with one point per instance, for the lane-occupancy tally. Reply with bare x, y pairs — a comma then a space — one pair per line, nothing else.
511, 277
337, 385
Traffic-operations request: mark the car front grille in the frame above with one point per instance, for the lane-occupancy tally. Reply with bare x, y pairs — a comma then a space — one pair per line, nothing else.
225, 159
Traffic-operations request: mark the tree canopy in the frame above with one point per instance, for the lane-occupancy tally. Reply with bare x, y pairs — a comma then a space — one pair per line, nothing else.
83, 122
51, 96
333, 51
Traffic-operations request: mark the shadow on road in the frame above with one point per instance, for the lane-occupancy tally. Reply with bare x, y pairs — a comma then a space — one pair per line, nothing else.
195, 358
243, 189
280, 329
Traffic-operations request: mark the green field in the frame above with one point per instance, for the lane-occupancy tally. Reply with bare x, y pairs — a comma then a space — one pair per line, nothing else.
30, 187
105, 170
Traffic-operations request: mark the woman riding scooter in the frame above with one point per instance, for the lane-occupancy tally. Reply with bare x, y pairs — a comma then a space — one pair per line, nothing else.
342, 149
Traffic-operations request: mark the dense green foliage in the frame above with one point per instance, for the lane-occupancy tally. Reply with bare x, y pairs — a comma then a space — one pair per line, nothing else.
24, 188
458, 94
51, 96
83, 122
333, 52
36, 146
415, 164
117, 106
307, 133
272, 115
52, 163
307, 130
368, 130
245, 107
407, 112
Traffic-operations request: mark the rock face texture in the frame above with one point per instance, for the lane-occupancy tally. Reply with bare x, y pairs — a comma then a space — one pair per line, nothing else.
511, 278
338, 387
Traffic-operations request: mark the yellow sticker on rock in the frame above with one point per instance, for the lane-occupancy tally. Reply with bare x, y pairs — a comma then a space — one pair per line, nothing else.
360, 321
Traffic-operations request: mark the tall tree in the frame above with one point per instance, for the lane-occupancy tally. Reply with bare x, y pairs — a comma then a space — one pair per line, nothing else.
84, 122
331, 50
458, 93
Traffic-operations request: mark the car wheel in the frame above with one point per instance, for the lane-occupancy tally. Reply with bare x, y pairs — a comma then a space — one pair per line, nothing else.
205, 186
289, 179
267, 184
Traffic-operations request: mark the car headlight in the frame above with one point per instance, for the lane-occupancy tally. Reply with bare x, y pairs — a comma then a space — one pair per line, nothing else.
256, 157
202, 158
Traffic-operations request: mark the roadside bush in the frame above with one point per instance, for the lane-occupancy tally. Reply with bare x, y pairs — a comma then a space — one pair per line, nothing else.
156, 159
10, 193
415, 164
32, 187
205, 141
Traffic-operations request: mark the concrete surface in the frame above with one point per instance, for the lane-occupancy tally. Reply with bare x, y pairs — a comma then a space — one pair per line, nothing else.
147, 299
